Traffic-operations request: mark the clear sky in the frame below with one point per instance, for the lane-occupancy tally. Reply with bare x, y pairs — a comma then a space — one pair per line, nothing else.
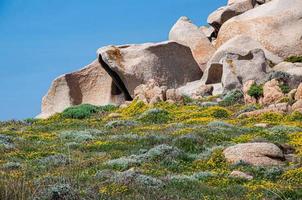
41, 39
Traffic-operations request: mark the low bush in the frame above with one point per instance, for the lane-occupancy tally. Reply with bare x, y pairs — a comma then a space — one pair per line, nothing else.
189, 143
155, 116
256, 91
76, 136
278, 75
54, 161
221, 113
120, 123
80, 111
295, 116
232, 97
58, 191
284, 88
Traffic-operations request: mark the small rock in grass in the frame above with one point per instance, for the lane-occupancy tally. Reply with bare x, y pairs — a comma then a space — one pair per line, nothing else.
261, 125
257, 154
241, 175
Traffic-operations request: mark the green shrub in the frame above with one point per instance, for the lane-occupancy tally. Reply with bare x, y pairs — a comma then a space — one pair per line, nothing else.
107, 108
80, 111
58, 191
281, 76
220, 113
155, 116
294, 59
231, 98
256, 91
284, 88
189, 143
187, 99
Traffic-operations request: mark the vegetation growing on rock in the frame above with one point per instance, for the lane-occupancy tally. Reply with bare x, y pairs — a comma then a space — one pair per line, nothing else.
256, 91
294, 59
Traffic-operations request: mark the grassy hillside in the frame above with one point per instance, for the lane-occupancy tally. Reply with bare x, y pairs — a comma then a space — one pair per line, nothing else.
165, 151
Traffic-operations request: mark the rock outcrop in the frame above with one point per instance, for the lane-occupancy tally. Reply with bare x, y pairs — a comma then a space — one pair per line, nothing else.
168, 63
293, 71
298, 94
272, 92
247, 43
234, 8
277, 25
242, 46
186, 33
91, 85
193, 90
151, 92
235, 69
257, 154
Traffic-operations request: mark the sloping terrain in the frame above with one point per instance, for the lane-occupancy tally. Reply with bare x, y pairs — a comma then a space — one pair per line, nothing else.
164, 151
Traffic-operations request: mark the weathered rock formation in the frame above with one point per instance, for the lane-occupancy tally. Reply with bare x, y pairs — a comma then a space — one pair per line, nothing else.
151, 92
272, 92
235, 69
234, 8
91, 85
168, 63
193, 90
243, 47
186, 33
252, 40
277, 25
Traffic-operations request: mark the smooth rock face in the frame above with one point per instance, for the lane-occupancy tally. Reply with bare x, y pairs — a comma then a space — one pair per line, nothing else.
195, 90
297, 106
298, 94
208, 31
272, 92
234, 8
277, 25
257, 154
168, 63
186, 33
240, 45
293, 69
91, 85
236, 69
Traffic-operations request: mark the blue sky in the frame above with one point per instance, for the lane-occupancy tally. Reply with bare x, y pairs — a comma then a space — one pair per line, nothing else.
41, 39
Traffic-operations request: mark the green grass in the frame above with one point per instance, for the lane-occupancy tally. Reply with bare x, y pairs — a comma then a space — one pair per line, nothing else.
165, 151
294, 59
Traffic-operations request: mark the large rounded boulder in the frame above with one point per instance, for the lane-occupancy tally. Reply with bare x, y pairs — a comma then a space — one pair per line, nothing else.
277, 25
90, 85
167, 63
